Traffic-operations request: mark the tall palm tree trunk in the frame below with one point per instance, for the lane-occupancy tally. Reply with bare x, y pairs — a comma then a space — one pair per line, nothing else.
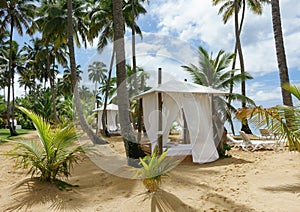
10, 75
139, 109
13, 104
133, 151
51, 74
234, 63
245, 126
280, 52
83, 124
104, 113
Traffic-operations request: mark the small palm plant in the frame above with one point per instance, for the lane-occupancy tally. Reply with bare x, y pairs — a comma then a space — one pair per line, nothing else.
52, 155
153, 168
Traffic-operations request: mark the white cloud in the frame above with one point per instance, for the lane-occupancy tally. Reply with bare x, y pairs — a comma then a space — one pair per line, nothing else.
198, 22
196, 19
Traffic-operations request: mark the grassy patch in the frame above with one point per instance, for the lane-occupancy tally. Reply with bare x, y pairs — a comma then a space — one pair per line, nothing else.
5, 134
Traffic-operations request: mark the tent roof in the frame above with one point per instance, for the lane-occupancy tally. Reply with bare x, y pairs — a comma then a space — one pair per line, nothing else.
108, 107
182, 87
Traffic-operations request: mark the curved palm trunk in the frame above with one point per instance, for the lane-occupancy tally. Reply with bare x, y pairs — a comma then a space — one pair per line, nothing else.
104, 113
83, 124
133, 150
280, 52
245, 126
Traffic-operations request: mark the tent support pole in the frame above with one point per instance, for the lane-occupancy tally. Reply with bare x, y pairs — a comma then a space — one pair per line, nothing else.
160, 135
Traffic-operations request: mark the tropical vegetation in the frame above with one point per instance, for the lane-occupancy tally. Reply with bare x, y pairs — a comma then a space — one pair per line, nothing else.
214, 72
53, 154
153, 168
229, 9
281, 120
46, 65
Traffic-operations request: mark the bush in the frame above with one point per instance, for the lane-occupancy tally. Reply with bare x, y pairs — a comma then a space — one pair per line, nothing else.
53, 154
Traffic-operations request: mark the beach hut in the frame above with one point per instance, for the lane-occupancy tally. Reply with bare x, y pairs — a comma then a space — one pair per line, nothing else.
112, 112
177, 98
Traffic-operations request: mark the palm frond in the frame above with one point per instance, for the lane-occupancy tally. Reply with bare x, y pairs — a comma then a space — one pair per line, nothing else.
282, 120
294, 89
43, 128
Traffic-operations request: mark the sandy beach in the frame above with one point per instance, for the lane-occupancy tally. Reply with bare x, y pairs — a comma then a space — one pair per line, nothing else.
248, 181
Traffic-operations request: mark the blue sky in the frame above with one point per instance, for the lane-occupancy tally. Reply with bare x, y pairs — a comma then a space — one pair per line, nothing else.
173, 29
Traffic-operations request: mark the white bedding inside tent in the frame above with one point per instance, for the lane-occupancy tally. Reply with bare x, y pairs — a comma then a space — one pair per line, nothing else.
197, 108
179, 150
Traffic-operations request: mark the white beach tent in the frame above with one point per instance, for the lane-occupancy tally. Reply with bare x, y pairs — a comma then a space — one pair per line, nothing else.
112, 111
196, 103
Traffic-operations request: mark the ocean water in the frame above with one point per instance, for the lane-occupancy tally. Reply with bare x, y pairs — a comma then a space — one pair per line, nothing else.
237, 127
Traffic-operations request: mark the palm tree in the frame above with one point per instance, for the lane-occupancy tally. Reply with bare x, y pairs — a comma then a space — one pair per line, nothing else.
17, 65
136, 10
280, 52
133, 150
15, 14
72, 59
102, 23
212, 72
64, 84
97, 74
230, 8
136, 80
4, 61
26, 79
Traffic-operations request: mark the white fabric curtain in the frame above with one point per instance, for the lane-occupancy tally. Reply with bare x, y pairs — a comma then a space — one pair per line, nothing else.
197, 109
171, 110
111, 120
199, 118
100, 119
150, 111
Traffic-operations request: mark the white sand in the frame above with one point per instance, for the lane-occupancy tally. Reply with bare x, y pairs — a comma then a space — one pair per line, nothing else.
258, 181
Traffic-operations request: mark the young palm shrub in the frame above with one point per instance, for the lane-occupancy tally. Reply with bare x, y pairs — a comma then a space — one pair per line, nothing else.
153, 168
52, 155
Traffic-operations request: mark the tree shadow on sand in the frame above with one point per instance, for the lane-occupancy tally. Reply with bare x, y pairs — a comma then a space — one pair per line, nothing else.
225, 162
159, 201
293, 188
165, 201
33, 192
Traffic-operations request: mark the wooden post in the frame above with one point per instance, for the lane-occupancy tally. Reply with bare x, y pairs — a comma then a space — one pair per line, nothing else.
160, 136
140, 112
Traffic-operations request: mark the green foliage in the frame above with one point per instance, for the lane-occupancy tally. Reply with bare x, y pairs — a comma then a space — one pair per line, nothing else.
294, 89
224, 151
153, 168
215, 72
280, 120
53, 154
